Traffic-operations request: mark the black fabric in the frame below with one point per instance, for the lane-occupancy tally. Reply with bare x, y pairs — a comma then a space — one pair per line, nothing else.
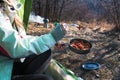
31, 77
1, 1
32, 64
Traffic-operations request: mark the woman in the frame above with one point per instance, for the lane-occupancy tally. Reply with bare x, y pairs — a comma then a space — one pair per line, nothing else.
14, 43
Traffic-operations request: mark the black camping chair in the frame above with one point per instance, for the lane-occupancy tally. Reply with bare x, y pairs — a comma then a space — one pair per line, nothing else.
31, 77
33, 67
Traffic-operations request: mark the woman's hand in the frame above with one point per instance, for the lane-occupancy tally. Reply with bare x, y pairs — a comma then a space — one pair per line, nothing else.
63, 28
58, 32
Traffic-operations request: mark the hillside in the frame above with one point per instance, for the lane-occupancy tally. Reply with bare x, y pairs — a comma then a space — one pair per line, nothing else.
105, 50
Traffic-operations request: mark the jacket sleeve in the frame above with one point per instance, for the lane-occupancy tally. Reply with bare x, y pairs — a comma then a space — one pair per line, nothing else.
17, 47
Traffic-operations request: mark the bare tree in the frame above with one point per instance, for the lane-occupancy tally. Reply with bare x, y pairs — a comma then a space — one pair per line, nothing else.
116, 4
112, 11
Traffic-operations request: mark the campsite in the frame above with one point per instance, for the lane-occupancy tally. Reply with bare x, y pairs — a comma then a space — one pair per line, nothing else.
91, 21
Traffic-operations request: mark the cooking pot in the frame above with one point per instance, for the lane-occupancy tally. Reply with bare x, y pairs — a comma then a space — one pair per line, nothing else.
80, 51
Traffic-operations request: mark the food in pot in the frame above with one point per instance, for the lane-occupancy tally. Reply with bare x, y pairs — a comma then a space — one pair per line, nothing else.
80, 45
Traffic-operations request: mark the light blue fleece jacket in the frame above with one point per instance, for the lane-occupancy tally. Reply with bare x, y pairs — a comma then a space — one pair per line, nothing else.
16, 46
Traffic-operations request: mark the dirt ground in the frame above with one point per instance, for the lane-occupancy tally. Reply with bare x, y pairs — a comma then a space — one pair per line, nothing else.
105, 51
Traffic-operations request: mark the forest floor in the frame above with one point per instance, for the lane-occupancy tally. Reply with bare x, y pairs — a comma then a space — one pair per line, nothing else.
105, 51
